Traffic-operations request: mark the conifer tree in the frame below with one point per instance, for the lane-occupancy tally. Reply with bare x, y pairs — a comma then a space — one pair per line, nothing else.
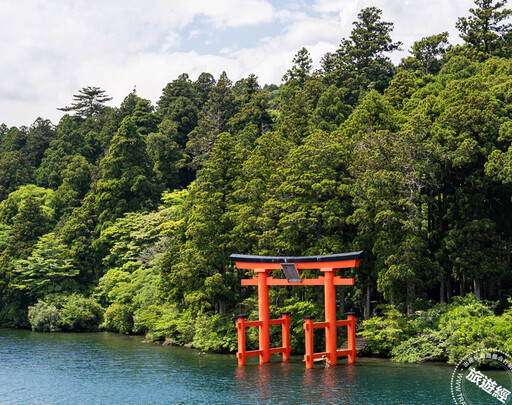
127, 180
485, 27
88, 102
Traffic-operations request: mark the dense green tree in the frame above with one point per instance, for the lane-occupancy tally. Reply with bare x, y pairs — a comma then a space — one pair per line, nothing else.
127, 180
297, 105
13, 139
400, 90
99, 131
184, 113
181, 87
201, 275
330, 111
39, 136
166, 157
312, 202
476, 252
78, 233
69, 142
15, 170
136, 243
28, 225
360, 63
427, 54
11, 206
391, 173
252, 118
301, 69
129, 104
76, 181
47, 270
204, 85
213, 120
255, 193
144, 118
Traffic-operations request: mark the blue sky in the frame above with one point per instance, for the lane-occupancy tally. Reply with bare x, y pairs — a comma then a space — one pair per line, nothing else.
51, 49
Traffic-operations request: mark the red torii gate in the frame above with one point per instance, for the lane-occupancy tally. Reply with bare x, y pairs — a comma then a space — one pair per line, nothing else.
328, 264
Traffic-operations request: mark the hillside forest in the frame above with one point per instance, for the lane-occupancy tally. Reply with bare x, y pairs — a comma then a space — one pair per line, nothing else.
123, 218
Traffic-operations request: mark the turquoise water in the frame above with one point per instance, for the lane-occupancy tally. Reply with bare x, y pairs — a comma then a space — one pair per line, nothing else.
103, 368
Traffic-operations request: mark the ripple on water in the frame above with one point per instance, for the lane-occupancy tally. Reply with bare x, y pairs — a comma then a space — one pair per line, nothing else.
104, 368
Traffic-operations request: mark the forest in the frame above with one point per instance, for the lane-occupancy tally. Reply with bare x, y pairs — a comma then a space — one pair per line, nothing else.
123, 219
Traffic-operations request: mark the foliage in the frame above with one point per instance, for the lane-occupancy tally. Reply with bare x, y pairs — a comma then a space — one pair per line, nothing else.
14, 202
427, 54
88, 102
135, 210
443, 333
165, 322
119, 318
483, 29
386, 331
215, 332
298, 310
47, 270
44, 317
301, 68
127, 181
68, 313
80, 314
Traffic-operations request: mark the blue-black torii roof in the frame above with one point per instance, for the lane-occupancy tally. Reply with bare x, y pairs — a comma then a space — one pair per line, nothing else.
296, 259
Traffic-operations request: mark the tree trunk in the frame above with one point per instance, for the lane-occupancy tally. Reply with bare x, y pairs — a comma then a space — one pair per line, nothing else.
367, 307
442, 290
222, 306
320, 297
477, 289
449, 290
508, 252
341, 309
410, 298
342, 301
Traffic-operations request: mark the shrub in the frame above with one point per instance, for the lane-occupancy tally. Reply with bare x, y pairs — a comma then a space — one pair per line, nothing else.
443, 333
215, 332
80, 314
44, 317
299, 309
428, 346
165, 322
468, 325
386, 331
119, 318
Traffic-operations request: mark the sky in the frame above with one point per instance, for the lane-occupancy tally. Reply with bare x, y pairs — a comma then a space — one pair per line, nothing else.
51, 49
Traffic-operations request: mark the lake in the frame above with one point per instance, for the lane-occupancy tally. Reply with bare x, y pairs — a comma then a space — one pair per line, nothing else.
105, 368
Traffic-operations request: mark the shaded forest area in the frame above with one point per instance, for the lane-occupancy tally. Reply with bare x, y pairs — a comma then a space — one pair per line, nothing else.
124, 218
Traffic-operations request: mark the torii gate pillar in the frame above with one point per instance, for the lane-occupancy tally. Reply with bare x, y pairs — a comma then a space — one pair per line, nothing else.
328, 265
330, 313
263, 312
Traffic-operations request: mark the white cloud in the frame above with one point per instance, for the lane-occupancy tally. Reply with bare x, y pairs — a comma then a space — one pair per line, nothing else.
51, 49
172, 40
413, 19
236, 13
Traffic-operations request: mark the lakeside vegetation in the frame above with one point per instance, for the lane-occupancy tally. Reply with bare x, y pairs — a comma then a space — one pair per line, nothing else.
124, 218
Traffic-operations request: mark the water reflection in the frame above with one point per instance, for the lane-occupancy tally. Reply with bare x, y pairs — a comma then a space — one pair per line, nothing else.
350, 384
113, 369
329, 385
